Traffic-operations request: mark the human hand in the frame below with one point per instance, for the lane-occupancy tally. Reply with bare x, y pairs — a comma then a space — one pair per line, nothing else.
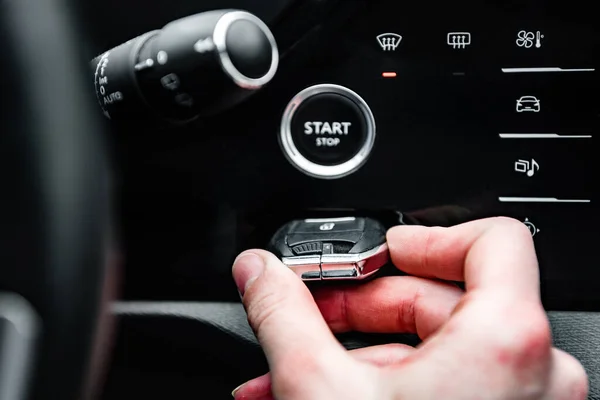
491, 342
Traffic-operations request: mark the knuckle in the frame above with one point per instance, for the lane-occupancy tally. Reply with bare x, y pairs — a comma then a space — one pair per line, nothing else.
408, 310
506, 221
513, 226
405, 318
574, 380
430, 237
526, 342
535, 343
579, 385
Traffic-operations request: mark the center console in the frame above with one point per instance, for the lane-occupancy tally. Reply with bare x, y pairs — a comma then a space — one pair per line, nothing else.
380, 113
430, 113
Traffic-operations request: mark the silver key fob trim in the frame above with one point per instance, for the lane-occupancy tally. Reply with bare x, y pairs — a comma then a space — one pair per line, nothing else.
330, 267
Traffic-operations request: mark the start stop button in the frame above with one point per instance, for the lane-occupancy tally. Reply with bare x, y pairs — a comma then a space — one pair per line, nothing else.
327, 131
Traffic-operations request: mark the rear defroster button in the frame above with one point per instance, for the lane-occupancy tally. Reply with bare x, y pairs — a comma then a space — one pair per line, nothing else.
327, 131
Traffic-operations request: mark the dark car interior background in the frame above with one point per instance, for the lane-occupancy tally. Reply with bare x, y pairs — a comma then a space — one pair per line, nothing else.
464, 110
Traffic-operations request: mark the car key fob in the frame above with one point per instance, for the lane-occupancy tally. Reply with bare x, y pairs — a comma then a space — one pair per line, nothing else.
332, 249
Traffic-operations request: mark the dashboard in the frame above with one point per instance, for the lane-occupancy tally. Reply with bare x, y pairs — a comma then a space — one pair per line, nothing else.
407, 112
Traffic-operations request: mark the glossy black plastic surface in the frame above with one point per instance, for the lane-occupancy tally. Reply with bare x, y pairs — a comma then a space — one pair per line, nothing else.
308, 237
198, 195
329, 129
249, 49
190, 67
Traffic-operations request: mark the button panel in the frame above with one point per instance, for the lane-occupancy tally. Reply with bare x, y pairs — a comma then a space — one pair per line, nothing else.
561, 232
491, 108
544, 167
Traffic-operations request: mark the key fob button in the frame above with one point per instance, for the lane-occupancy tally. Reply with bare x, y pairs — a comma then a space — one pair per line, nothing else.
308, 248
350, 273
301, 238
332, 249
308, 268
325, 226
369, 240
311, 276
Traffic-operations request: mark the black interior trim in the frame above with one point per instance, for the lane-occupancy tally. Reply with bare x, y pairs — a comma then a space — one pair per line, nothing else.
195, 332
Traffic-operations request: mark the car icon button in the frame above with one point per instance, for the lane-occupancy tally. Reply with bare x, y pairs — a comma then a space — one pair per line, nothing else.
528, 104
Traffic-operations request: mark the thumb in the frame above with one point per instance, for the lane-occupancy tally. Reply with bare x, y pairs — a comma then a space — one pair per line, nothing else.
284, 316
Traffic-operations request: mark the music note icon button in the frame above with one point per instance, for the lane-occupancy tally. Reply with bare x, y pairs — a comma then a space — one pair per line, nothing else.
527, 167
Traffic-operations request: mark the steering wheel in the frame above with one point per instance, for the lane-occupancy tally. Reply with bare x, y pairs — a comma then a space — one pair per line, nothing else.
54, 231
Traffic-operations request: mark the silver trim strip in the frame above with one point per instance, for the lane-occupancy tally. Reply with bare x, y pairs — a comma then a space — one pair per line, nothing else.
220, 41
539, 200
545, 69
365, 264
351, 258
320, 220
325, 171
301, 260
541, 136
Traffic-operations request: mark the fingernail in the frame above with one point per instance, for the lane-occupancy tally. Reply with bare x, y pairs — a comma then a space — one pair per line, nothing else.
246, 269
236, 390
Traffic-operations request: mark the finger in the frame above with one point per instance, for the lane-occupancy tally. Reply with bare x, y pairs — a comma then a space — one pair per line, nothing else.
568, 379
493, 253
382, 356
255, 389
266, 397
398, 304
284, 316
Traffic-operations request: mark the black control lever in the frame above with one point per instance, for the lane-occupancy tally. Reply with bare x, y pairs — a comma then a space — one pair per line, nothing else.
194, 66
332, 249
